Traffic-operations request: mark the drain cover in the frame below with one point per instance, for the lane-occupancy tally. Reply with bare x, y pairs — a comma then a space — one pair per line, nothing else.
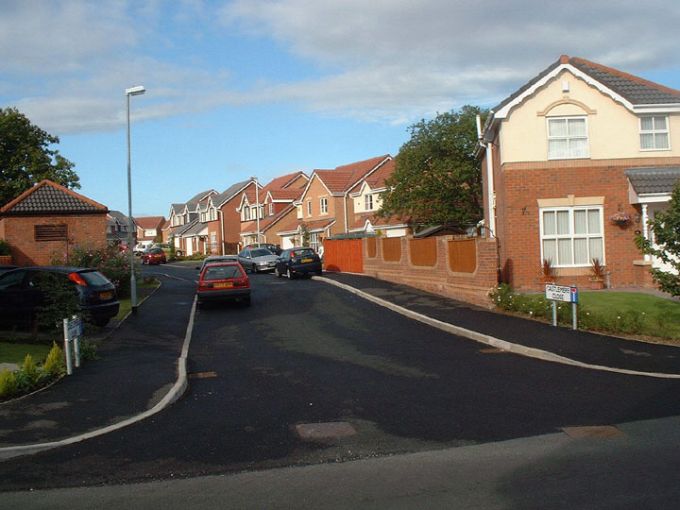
202, 375
602, 432
330, 430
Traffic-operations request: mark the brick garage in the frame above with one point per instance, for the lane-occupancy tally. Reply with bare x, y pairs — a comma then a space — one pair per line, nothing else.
48, 220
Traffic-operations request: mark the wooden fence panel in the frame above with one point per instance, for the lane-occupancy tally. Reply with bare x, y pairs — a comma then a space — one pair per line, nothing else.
423, 251
371, 247
391, 249
343, 255
463, 255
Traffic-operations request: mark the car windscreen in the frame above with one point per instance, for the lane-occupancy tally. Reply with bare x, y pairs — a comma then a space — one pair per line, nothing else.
260, 252
94, 278
222, 272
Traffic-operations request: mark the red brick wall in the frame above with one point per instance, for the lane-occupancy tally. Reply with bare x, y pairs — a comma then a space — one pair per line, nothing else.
470, 287
85, 230
520, 186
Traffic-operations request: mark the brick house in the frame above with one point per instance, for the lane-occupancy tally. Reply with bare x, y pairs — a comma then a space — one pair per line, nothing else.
276, 208
46, 221
325, 208
149, 228
187, 234
574, 163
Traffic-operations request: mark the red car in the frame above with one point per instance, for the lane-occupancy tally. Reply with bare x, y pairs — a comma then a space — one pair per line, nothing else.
223, 281
154, 256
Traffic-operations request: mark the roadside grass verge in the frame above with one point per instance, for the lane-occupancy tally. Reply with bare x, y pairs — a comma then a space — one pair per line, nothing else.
619, 313
16, 352
144, 290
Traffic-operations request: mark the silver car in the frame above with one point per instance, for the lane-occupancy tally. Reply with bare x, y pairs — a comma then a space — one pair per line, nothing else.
257, 259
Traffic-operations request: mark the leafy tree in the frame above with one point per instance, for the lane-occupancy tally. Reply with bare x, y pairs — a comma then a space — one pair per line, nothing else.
26, 156
666, 229
437, 178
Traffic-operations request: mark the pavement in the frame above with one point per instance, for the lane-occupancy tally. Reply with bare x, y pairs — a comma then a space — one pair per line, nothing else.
142, 369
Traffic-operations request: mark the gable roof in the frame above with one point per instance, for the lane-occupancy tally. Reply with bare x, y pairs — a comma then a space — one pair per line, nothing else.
343, 178
149, 222
230, 193
633, 92
48, 197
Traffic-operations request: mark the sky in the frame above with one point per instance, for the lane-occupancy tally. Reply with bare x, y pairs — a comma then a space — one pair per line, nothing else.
262, 88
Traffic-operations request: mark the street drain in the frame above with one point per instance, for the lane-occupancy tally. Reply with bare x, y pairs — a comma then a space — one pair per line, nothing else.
492, 350
595, 432
331, 430
202, 375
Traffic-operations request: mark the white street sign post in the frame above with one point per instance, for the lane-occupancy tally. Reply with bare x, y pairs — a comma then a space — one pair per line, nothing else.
565, 294
73, 329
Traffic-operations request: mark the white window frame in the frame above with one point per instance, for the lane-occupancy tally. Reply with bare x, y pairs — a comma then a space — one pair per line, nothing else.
566, 119
572, 235
309, 207
655, 132
368, 202
271, 208
323, 205
246, 213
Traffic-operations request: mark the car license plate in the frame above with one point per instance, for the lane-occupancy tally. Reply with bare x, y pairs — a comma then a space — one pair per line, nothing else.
304, 261
224, 285
105, 295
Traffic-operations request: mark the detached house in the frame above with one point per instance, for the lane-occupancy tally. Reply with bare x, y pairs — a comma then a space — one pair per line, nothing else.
188, 234
276, 208
149, 228
574, 164
47, 221
340, 202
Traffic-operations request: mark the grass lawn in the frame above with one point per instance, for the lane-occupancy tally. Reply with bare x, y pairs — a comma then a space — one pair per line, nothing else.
15, 353
620, 313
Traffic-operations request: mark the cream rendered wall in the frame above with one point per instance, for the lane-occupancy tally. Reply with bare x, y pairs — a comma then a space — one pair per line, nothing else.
613, 130
359, 201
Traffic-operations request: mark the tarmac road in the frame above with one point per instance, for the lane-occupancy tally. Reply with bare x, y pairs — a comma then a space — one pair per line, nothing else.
306, 352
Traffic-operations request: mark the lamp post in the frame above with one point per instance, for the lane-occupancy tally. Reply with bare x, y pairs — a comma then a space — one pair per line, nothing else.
133, 91
257, 210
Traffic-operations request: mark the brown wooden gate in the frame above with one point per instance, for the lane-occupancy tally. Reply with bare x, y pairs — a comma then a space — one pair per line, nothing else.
343, 255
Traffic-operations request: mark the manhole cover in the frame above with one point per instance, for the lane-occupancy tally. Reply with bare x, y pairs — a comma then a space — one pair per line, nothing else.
599, 431
332, 430
202, 375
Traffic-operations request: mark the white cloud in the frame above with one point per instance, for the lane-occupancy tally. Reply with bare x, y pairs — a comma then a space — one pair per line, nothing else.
66, 63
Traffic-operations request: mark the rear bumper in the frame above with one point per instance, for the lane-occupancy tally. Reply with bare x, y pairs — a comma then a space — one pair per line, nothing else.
103, 311
223, 294
306, 268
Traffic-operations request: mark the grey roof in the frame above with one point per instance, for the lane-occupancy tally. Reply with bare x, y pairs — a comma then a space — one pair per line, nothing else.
46, 199
183, 229
229, 192
653, 180
122, 219
197, 198
632, 88
177, 208
195, 227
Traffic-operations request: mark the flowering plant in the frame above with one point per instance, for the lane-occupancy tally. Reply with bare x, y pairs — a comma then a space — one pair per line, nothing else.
620, 218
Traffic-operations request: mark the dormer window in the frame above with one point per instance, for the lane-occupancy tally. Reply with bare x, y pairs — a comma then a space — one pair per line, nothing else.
567, 138
368, 202
654, 133
271, 209
323, 205
246, 213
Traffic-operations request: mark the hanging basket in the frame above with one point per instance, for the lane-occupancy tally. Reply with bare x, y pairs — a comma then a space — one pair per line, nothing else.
620, 219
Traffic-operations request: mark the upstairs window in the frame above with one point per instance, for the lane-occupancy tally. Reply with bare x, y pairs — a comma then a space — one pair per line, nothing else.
654, 133
271, 208
567, 138
323, 205
309, 208
246, 213
368, 202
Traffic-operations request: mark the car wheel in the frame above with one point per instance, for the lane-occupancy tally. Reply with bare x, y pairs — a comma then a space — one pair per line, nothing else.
246, 301
289, 274
100, 322
277, 272
320, 272
253, 269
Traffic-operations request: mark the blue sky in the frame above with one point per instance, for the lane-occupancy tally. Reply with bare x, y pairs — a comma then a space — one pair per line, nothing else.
265, 87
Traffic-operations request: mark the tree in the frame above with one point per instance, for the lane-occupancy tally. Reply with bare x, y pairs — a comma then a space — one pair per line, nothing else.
26, 157
437, 178
666, 229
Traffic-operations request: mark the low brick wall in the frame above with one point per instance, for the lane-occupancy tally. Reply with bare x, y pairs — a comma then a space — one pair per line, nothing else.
472, 287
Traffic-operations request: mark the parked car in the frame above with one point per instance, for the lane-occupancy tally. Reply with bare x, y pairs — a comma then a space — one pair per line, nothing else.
274, 248
212, 259
257, 259
154, 256
5, 268
298, 262
21, 292
223, 281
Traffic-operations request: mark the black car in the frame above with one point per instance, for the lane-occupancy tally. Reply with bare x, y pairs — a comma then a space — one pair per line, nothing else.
298, 262
22, 292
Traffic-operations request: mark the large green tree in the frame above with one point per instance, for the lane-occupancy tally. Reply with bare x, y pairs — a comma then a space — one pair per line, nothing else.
27, 156
437, 178
666, 229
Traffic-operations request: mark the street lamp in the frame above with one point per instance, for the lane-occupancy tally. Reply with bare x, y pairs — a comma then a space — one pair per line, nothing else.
257, 210
133, 91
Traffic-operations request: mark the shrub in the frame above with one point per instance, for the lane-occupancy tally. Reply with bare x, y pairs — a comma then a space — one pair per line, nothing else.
61, 300
4, 248
8, 383
54, 363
